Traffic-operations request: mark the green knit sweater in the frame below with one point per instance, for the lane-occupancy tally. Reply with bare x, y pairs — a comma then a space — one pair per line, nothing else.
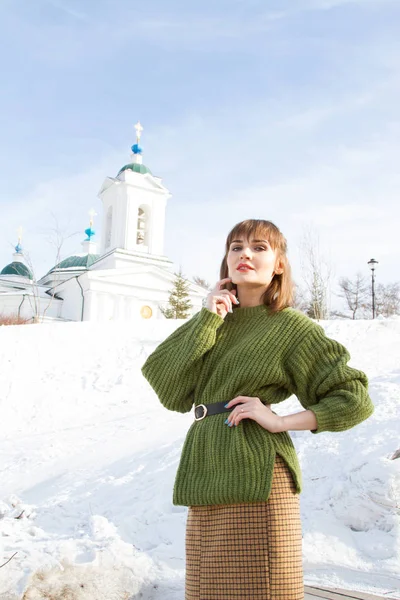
251, 353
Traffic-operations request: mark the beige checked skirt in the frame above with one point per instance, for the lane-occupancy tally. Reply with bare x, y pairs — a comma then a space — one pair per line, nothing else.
249, 551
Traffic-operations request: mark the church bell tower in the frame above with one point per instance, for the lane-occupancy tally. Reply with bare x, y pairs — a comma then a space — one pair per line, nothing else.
134, 204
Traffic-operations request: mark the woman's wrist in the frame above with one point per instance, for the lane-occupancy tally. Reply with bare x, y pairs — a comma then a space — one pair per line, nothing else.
304, 420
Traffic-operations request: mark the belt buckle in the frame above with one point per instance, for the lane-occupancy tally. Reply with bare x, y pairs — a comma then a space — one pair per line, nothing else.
204, 413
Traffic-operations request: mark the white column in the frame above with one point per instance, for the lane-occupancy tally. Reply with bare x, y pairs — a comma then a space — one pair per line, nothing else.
118, 308
90, 306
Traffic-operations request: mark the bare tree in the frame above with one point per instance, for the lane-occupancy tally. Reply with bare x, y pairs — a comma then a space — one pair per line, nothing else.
387, 299
56, 237
300, 300
316, 273
201, 282
355, 292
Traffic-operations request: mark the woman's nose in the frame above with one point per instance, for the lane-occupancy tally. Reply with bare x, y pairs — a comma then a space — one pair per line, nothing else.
246, 253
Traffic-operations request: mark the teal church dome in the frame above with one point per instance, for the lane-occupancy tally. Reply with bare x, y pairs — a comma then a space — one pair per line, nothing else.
17, 268
136, 168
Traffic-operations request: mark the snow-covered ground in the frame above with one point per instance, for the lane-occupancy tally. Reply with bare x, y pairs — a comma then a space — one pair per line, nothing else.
88, 458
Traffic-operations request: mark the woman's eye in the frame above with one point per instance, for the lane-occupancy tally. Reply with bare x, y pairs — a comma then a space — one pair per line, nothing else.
256, 248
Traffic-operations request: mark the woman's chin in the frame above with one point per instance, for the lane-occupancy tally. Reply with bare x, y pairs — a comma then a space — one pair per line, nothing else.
240, 277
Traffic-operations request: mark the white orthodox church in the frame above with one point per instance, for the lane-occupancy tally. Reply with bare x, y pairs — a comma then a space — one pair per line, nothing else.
128, 278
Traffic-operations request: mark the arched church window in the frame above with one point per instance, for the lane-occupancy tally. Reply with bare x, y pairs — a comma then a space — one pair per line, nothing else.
141, 227
108, 227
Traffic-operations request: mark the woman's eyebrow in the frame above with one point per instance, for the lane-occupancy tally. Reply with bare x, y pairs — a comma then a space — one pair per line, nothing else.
253, 241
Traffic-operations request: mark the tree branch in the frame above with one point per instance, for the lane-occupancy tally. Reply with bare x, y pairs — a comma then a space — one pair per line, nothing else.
4, 564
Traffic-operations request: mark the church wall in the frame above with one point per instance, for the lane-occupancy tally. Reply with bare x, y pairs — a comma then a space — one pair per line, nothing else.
72, 304
157, 226
50, 307
9, 307
25, 306
110, 300
113, 200
106, 306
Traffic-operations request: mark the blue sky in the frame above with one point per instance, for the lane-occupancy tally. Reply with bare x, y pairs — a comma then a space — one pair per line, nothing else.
285, 110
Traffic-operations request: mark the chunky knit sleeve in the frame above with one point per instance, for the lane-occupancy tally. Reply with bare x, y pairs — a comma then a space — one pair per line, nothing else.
324, 383
174, 367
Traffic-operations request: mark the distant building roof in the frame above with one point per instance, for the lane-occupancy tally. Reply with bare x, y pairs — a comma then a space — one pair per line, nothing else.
76, 262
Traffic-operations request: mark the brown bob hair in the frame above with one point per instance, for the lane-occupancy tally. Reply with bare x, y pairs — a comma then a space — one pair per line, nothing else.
280, 292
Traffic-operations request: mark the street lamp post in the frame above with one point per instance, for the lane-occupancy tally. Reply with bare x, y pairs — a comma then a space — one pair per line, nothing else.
372, 265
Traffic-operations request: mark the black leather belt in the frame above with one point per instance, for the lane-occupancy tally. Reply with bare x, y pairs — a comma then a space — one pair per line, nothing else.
207, 410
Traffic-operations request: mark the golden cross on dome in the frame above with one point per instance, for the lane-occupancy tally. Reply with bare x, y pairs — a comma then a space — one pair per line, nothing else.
139, 130
19, 231
92, 215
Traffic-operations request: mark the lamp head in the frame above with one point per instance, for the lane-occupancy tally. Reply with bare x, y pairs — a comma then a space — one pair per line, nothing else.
372, 264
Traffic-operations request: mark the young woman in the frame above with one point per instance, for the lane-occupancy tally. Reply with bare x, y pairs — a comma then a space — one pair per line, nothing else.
239, 474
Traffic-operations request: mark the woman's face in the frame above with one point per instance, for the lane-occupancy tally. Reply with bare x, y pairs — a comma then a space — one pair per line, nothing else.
260, 258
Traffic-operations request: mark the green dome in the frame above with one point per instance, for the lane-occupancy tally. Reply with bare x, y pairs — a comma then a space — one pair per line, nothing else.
17, 268
136, 168
77, 262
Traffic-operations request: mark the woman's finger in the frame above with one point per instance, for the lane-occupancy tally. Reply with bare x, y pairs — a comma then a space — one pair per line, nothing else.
237, 410
222, 282
215, 304
225, 299
218, 286
239, 413
231, 295
237, 400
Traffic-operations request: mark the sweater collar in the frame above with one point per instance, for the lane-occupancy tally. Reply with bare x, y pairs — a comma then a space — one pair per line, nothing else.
240, 314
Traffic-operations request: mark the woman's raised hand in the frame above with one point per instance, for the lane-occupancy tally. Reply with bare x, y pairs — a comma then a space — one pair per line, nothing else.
220, 301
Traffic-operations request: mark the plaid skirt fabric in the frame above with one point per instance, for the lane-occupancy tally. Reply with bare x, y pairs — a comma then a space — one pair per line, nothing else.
247, 551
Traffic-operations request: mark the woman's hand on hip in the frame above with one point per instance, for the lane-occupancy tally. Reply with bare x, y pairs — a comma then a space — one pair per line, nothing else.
245, 407
220, 301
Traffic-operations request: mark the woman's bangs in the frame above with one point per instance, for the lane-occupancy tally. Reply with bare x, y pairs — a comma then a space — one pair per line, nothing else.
258, 230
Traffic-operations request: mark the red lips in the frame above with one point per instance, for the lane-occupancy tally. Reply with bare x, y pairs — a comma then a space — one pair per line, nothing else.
244, 265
